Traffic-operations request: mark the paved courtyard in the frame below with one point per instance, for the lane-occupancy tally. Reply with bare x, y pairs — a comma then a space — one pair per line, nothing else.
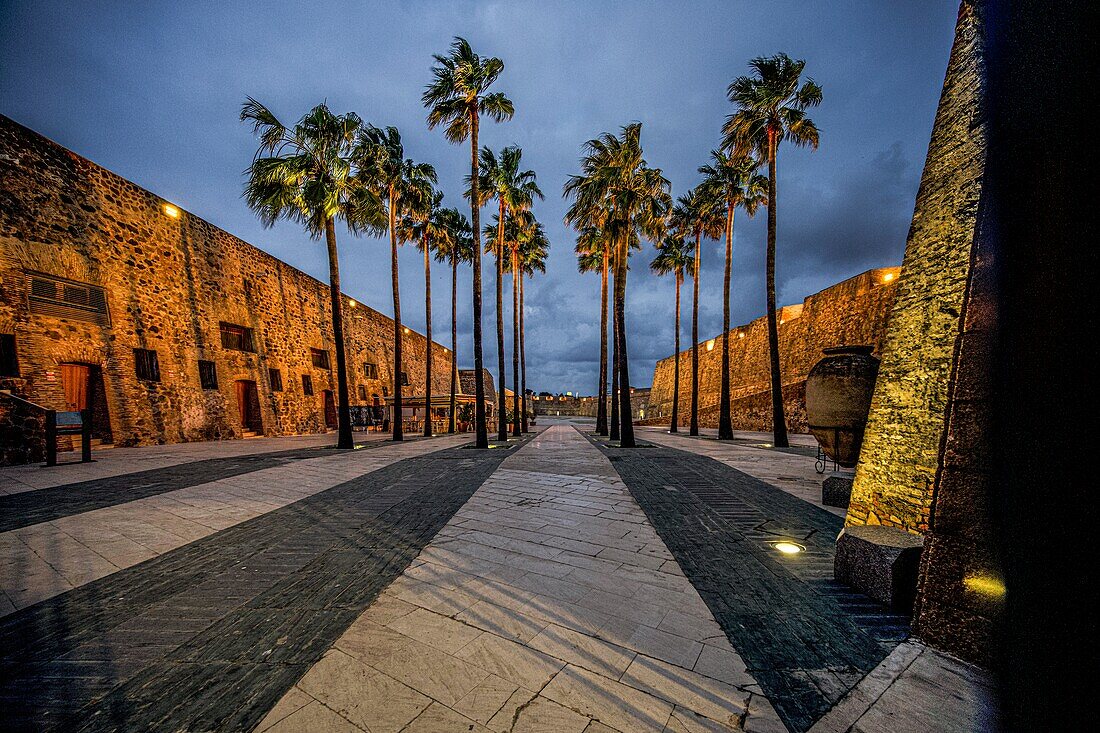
558, 584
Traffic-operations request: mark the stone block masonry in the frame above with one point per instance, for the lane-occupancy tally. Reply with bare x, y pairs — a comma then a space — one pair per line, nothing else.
852, 312
905, 430
96, 272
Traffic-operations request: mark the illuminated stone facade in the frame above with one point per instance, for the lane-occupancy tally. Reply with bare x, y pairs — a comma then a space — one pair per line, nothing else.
94, 268
905, 431
852, 312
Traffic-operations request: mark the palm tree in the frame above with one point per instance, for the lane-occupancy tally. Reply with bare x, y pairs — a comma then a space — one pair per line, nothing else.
425, 225
616, 175
304, 174
771, 107
692, 216
529, 236
403, 186
455, 244
673, 255
731, 181
456, 98
532, 253
514, 189
594, 255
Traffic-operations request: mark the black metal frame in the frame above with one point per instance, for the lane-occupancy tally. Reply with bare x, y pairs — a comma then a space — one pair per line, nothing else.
84, 430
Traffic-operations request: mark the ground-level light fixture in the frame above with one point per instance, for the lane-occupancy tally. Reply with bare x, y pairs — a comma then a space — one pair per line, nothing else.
788, 548
171, 211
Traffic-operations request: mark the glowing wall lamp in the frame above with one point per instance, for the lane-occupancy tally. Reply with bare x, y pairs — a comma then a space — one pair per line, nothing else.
888, 277
710, 345
171, 211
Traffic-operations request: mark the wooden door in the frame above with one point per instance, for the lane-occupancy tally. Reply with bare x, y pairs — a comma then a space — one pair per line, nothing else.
248, 405
74, 381
330, 410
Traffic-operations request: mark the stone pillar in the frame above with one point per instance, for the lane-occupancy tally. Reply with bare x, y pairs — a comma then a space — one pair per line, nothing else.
905, 428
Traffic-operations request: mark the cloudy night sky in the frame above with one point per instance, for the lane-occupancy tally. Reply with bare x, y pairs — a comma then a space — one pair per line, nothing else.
152, 91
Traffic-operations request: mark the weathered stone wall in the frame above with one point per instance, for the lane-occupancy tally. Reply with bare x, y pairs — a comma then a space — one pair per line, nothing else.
575, 406
852, 312
897, 467
169, 281
22, 431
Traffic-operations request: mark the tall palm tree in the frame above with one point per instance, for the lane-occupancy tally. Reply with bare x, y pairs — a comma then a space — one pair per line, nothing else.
730, 181
614, 173
305, 174
673, 256
594, 255
693, 217
402, 185
455, 244
771, 107
533, 251
425, 225
514, 189
457, 97
529, 235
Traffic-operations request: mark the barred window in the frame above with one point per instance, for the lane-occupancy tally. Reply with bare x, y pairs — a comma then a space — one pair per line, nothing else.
370, 370
62, 298
307, 384
362, 393
320, 358
404, 379
208, 374
9, 360
237, 338
146, 365
275, 377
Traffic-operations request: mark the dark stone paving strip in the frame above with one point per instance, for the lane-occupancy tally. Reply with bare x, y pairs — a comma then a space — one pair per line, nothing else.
45, 505
211, 635
805, 638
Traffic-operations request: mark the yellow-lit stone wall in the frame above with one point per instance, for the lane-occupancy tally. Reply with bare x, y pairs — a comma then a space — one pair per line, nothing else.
169, 282
852, 312
897, 467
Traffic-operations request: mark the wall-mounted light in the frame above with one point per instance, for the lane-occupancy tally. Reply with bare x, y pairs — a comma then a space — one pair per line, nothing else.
888, 277
741, 335
171, 211
710, 345
351, 303
406, 329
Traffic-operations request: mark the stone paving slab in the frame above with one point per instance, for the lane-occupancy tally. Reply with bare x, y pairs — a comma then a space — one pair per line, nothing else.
793, 472
540, 606
805, 639
210, 635
40, 561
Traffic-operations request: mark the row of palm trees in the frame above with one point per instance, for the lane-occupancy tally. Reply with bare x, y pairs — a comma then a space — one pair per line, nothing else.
618, 199
328, 168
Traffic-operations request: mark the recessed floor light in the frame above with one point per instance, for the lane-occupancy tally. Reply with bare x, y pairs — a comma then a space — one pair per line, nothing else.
788, 548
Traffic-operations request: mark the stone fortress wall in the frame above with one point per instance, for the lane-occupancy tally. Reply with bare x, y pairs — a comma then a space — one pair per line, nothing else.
852, 312
168, 282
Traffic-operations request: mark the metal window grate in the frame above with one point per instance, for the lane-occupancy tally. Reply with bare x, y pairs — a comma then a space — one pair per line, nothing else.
307, 384
62, 298
208, 374
320, 358
275, 377
146, 365
236, 338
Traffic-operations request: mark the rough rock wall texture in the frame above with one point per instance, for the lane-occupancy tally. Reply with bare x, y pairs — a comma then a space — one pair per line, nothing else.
565, 405
852, 312
897, 467
22, 431
169, 282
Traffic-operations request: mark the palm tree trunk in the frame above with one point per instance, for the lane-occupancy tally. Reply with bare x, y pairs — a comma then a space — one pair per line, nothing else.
515, 344
522, 358
676, 366
601, 408
613, 432
398, 433
343, 439
626, 429
481, 439
454, 342
779, 422
502, 378
725, 421
428, 337
694, 428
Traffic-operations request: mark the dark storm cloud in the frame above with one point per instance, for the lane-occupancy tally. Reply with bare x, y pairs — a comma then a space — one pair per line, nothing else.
151, 91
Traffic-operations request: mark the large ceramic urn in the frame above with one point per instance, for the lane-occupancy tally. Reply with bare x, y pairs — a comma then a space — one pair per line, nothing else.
838, 398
